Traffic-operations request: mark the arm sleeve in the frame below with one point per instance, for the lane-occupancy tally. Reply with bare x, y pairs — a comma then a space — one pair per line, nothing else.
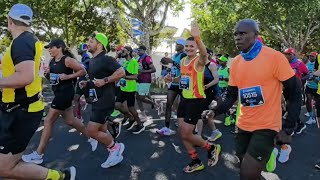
22, 50
292, 89
228, 99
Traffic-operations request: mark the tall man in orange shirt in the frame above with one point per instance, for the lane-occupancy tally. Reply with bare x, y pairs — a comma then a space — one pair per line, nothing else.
259, 91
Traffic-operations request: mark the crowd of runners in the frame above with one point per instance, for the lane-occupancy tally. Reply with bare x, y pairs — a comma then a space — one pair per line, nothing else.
264, 103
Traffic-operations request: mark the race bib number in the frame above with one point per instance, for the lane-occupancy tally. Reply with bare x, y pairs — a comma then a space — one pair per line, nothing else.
251, 97
123, 83
93, 95
184, 82
54, 79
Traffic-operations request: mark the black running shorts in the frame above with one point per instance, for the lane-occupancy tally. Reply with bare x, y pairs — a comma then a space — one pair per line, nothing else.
17, 128
191, 110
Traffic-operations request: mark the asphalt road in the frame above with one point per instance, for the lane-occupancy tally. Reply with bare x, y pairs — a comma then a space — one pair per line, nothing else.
149, 156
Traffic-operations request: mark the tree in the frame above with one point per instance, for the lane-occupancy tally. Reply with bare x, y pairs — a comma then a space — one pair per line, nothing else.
147, 12
72, 20
283, 23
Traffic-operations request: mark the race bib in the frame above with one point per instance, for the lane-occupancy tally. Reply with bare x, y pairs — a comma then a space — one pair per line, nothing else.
252, 96
123, 83
41, 68
54, 79
184, 83
93, 95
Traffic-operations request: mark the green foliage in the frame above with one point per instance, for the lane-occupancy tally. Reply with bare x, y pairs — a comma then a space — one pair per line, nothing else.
283, 23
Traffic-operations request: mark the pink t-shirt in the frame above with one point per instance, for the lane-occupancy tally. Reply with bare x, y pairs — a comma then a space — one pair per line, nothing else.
144, 63
299, 68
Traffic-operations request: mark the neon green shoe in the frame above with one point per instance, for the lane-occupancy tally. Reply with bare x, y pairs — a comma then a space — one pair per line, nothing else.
227, 121
115, 113
272, 163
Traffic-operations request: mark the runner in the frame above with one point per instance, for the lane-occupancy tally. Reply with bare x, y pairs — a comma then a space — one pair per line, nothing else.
103, 72
173, 88
146, 68
211, 80
302, 74
61, 76
128, 90
193, 101
311, 89
82, 51
21, 107
260, 117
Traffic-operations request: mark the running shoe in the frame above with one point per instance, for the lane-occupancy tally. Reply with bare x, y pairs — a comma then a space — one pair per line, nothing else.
272, 163
93, 143
194, 165
115, 113
284, 153
115, 156
130, 125
34, 158
307, 114
164, 131
70, 173
300, 128
213, 154
317, 166
311, 121
227, 121
116, 129
215, 135
138, 129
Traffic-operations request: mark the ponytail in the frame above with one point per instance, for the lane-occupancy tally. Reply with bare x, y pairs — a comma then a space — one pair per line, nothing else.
67, 52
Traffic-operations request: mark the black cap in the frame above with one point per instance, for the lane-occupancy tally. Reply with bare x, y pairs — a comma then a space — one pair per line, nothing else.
142, 47
209, 51
57, 43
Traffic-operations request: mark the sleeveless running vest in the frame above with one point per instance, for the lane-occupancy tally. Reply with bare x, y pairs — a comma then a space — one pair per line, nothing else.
191, 81
10, 95
59, 67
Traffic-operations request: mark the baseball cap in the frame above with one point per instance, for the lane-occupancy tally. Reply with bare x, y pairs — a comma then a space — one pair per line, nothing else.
83, 47
314, 54
181, 42
22, 13
290, 51
223, 59
56, 43
100, 37
142, 47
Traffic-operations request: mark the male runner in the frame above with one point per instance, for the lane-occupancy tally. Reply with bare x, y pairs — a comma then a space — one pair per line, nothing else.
259, 123
21, 109
193, 101
173, 89
103, 72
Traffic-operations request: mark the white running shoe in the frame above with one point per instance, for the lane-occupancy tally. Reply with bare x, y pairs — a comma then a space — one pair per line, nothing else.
34, 158
216, 134
164, 131
115, 156
284, 153
311, 121
93, 143
307, 114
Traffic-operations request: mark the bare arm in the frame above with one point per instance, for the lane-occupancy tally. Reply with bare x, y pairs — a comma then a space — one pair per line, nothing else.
76, 66
23, 76
118, 74
195, 32
131, 77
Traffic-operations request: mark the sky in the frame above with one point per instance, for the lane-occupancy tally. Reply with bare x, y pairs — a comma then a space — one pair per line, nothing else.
181, 21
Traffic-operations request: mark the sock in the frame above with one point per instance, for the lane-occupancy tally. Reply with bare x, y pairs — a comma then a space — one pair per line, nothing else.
193, 155
207, 146
54, 175
167, 124
113, 147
